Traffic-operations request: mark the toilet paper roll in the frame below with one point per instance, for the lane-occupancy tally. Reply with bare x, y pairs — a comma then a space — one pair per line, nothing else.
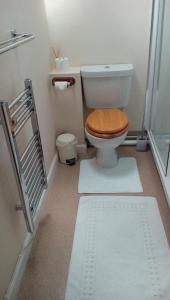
62, 63
61, 85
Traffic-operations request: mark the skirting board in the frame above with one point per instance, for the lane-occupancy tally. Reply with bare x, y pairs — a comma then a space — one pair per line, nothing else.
14, 285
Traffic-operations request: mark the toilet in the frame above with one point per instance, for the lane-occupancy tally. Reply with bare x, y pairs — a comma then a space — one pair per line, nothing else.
106, 90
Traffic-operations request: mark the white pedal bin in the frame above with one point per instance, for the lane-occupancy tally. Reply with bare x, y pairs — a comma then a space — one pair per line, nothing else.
66, 145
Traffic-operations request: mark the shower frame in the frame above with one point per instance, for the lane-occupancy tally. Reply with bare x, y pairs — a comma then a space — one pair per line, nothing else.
158, 7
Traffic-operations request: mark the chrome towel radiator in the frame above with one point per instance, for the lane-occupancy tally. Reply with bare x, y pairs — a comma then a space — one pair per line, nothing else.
28, 166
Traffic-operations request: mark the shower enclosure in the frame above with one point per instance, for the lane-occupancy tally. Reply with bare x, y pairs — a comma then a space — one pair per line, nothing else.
159, 89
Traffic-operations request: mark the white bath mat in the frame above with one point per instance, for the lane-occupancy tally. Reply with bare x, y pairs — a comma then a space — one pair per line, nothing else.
120, 251
124, 178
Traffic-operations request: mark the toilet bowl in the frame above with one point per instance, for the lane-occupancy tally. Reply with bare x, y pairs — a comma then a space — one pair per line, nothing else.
106, 89
106, 129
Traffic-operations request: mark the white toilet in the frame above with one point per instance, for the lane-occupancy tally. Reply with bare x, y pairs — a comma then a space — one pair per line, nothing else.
106, 89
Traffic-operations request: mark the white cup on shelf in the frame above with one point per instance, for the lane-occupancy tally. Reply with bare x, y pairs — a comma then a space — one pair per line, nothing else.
62, 63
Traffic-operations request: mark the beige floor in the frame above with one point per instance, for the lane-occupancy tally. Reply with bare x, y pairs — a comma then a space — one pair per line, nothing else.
46, 273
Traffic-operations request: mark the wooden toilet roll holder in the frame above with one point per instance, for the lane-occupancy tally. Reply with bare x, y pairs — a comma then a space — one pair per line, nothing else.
70, 80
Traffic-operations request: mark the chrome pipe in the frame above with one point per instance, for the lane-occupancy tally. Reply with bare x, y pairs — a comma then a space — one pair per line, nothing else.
14, 102
34, 158
130, 137
34, 175
15, 122
14, 118
34, 166
33, 188
35, 191
7, 41
16, 131
34, 148
13, 115
129, 143
15, 42
20, 118
14, 37
34, 122
24, 155
36, 197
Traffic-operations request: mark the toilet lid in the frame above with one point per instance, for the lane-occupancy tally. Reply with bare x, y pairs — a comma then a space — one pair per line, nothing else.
107, 121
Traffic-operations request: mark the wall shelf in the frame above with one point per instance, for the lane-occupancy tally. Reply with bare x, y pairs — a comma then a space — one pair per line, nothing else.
16, 40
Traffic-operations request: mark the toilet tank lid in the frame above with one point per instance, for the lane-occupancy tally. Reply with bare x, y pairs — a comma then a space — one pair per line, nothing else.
107, 70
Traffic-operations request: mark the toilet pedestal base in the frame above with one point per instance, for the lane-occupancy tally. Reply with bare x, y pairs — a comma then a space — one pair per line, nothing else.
107, 157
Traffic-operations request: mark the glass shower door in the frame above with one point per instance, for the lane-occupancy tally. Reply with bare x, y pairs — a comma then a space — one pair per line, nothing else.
160, 115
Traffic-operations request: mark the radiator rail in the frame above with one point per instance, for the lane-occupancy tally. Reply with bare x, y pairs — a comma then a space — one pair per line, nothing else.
29, 168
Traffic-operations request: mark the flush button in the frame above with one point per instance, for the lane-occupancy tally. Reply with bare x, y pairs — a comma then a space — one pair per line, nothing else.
107, 67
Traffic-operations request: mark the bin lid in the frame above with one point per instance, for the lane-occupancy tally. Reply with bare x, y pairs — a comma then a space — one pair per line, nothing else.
66, 139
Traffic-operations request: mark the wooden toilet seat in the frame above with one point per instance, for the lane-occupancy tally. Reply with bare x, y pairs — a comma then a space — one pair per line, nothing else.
107, 123
105, 135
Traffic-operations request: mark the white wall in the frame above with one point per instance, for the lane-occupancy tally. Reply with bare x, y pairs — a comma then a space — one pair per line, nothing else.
105, 31
30, 60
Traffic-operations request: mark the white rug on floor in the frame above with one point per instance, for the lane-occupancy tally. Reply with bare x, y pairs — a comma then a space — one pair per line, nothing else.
124, 178
120, 251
